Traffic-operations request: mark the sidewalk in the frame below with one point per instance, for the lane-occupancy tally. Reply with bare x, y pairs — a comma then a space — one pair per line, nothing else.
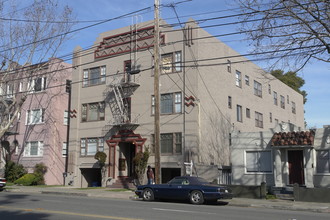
118, 194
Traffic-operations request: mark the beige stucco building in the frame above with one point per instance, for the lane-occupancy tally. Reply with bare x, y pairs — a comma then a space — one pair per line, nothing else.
207, 91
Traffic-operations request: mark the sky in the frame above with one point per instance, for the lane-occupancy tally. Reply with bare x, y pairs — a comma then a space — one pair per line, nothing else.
315, 74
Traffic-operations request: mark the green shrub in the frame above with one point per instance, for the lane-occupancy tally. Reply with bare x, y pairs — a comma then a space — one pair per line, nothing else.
28, 179
39, 171
14, 171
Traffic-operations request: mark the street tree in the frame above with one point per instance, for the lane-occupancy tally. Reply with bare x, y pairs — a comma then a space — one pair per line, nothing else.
28, 36
291, 79
288, 32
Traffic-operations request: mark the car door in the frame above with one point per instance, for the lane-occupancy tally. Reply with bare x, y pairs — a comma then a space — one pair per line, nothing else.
178, 189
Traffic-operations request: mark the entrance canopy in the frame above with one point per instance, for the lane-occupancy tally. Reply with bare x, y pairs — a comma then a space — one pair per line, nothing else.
294, 139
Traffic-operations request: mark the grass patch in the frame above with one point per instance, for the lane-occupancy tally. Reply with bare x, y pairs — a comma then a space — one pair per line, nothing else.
269, 196
119, 190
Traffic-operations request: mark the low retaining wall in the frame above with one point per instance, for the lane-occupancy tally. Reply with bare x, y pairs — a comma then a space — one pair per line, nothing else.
252, 192
311, 194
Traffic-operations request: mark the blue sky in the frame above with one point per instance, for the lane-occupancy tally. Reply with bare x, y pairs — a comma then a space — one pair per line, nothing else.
316, 74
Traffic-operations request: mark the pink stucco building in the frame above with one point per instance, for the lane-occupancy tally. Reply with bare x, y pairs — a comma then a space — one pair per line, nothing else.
40, 133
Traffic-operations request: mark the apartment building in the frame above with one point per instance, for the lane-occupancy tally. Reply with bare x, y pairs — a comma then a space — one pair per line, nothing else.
39, 135
207, 91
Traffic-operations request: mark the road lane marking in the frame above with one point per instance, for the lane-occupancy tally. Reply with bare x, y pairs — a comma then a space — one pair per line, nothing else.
67, 213
185, 211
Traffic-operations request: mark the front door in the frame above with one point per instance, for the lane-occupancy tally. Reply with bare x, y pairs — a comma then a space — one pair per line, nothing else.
296, 167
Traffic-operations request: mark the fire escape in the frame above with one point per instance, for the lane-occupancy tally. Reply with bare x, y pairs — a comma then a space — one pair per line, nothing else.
118, 96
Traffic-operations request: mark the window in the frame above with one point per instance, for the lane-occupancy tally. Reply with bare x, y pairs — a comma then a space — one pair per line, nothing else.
282, 102
275, 97
10, 90
238, 79
66, 118
89, 146
37, 84
259, 120
35, 116
127, 70
288, 99
293, 106
229, 66
33, 149
258, 161
257, 89
64, 149
229, 102
270, 117
269, 89
248, 113
92, 112
168, 141
323, 161
177, 102
247, 80
169, 103
20, 87
239, 113
171, 62
94, 76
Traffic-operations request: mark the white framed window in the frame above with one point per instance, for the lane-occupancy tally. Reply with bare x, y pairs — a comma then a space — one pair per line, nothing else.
238, 79
66, 117
35, 116
257, 89
170, 143
170, 103
89, 146
259, 120
258, 161
323, 161
94, 76
93, 112
33, 149
177, 102
64, 149
171, 62
37, 84
10, 90
20, 87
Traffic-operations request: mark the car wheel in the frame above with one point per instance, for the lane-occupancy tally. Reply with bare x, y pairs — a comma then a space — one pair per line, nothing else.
148, 194
196, 197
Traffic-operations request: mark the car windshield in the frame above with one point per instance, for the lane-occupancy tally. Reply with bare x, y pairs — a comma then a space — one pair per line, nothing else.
188, 181
199, 180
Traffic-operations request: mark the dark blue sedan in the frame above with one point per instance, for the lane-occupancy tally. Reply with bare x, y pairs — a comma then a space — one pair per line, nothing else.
195, 189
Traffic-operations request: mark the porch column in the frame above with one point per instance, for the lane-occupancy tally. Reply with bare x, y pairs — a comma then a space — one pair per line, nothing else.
278, 168
309, 170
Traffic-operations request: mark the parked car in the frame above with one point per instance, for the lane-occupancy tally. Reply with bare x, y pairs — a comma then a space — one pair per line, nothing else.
2, 183
195, 189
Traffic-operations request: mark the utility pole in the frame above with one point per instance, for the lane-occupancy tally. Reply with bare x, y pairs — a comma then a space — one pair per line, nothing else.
156, 94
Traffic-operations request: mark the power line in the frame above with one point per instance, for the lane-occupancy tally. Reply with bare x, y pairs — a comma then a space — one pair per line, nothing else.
76, 30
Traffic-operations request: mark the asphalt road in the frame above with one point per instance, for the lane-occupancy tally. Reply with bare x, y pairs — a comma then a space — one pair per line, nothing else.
14, 206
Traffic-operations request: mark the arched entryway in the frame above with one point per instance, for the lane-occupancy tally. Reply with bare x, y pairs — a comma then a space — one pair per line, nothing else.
122, 149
